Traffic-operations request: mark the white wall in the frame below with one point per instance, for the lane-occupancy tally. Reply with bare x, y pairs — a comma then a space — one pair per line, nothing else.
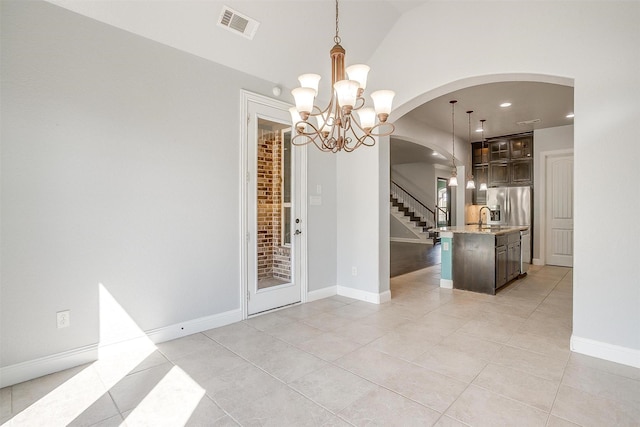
363, 222
594, 45
358, 218
121, 166
417, 179
322, 219
544, 140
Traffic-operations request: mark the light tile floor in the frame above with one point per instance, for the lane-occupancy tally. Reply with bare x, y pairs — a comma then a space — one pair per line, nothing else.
431, 356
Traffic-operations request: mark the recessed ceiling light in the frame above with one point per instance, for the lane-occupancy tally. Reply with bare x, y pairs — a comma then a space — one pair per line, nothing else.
435, 153
570, 116
505, 104
479, 130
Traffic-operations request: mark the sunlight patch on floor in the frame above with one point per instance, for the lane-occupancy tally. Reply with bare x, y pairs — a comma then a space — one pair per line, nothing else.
170, 403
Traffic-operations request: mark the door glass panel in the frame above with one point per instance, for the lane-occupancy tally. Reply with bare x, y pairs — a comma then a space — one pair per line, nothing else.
273, 242
443, 203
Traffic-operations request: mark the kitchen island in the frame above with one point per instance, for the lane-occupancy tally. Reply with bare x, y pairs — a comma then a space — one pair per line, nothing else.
480, 258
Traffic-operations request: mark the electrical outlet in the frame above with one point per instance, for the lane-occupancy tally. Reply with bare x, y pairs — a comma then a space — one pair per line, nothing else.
354, 271
64, 319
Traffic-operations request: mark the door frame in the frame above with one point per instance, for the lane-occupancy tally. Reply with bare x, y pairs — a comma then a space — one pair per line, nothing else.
247, 98
542, 234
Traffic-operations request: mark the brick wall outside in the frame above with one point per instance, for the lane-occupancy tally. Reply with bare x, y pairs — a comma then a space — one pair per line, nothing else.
274, 260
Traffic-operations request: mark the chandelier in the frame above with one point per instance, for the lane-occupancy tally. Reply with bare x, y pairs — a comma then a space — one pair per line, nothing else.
336, 128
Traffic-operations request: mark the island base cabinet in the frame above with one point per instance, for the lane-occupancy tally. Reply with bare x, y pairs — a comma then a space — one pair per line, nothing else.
485, 262
474, 262
501, 266
513, 260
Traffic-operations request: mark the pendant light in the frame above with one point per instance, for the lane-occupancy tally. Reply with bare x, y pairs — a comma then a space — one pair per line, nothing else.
471, 184
483, 185
453, 181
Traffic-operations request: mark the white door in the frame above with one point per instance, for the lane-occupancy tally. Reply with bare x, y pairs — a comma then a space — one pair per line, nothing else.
559, 210
274, 218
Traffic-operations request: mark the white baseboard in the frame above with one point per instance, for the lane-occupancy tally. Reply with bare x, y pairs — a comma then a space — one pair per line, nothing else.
537, 261
613, 353
446, 283
364, 295
194, 326
327, 292
385, 297
25, 371
31, 369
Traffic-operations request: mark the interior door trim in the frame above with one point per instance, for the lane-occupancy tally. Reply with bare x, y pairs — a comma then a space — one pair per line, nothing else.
247, 98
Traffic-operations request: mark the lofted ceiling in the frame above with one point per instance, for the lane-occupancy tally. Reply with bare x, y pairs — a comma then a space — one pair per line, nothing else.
295, 36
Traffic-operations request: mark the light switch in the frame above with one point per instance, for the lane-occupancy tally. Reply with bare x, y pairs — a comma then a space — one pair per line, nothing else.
318, 189
315, 200
445, 246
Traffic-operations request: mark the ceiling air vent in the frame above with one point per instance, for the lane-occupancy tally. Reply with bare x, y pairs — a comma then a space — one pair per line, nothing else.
238, 23
529, 122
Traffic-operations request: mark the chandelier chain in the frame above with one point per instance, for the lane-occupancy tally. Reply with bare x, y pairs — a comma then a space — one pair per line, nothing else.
337, 39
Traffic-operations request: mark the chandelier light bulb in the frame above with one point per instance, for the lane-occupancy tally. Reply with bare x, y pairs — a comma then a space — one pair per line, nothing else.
347, 91
296, 119
382, 100
367, 117
358, 72
453, 181
483, 186
304, 100
471, 185
325, 124
310, 81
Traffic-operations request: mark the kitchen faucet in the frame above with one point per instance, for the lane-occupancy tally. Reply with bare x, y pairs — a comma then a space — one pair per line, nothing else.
480, 215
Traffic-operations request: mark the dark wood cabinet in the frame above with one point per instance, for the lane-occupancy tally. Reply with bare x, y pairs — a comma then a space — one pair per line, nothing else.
521, 147
501, 266
500, 162
499, 174
480, 175
521, 172
499, 151
480, 154
513, 257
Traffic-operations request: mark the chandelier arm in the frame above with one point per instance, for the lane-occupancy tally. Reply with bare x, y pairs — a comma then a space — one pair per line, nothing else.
360, 101
380, 125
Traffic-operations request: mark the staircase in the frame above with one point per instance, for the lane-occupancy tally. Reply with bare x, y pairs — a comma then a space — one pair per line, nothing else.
419, 217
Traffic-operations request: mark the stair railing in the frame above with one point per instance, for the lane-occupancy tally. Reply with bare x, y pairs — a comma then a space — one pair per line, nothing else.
427, 215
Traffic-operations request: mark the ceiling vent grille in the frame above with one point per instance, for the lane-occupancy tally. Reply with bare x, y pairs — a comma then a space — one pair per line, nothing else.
529, 122
238, 23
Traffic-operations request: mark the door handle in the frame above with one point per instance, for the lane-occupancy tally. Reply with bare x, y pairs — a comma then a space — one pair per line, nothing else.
297, 232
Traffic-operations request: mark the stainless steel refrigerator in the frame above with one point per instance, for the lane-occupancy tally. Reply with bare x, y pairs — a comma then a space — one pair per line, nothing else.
514, 207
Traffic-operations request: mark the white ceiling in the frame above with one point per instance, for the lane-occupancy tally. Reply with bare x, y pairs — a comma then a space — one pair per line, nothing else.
302, 33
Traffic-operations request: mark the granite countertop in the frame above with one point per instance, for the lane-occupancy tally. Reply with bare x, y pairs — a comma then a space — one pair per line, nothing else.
486, 229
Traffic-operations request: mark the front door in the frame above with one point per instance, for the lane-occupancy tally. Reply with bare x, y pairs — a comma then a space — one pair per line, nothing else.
559, 210
274, 221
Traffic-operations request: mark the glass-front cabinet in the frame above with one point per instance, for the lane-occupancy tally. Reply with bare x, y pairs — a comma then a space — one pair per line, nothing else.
502, 161
499, 150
